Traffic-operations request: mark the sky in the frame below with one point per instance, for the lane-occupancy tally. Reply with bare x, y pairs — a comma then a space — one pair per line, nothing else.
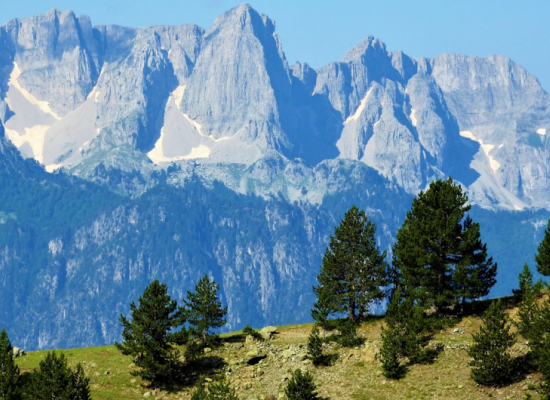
322, 31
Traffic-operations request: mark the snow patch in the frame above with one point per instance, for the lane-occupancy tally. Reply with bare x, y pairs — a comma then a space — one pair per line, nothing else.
360, 108
44, 106
541, 131
157, 154
486, 149
33, 136
412, 117
52, 167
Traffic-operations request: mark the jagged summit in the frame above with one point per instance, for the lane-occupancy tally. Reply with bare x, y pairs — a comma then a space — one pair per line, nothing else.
76, 96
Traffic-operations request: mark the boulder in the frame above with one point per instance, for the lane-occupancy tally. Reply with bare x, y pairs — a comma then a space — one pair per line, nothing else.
17, 352
270, 329
266, 335
253, 354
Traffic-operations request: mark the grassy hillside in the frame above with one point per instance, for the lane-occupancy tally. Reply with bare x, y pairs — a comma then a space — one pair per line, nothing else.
355, 375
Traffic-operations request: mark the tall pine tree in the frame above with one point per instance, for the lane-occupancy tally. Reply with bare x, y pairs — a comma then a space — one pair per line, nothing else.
438, 253
542, 257
204, 309
150, 335
353, 271
9, 372
491, 361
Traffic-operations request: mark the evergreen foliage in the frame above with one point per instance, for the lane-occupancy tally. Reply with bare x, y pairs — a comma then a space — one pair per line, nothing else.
54, 380
315, 347
353, 269
200, 392
151, 333
348, 333
321, 312
301, 387
391, 348
440, 259
544, 367
9, 372
542, 257
491, 362
222, 390
204, 310
248, 331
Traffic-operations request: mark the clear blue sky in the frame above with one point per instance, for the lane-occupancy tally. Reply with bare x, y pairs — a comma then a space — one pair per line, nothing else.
321, 31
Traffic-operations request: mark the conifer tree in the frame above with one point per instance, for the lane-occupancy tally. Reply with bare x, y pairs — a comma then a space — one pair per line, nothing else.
9, 372
55, 380
81, 384
151, 333
544, 367
315, 347
321, 312
204, 310
491, 361
301, 386
440, 258
542, 257
353, 270
391, 349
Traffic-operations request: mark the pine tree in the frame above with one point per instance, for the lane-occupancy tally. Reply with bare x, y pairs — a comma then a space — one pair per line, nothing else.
526, 285
150, 335
348, 333
353, 270
391, 348
301, 387
204, 309
491, 360
81, 384
9, 372
315, 347
440, 259
321, 312
542, 257
544, 367
474, 274
55, 380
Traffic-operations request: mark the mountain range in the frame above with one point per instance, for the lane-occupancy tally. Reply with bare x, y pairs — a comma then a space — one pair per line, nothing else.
172, 151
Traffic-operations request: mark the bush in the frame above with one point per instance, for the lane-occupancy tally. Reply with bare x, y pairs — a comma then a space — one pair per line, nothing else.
248, 331
301, 387
221, 390
492, 362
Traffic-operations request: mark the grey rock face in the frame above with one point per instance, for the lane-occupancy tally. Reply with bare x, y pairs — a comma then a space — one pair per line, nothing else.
77, 97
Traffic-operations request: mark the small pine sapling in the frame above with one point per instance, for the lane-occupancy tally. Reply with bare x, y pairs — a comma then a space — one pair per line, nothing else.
491, 361
315, 347
301, 386
391, 365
